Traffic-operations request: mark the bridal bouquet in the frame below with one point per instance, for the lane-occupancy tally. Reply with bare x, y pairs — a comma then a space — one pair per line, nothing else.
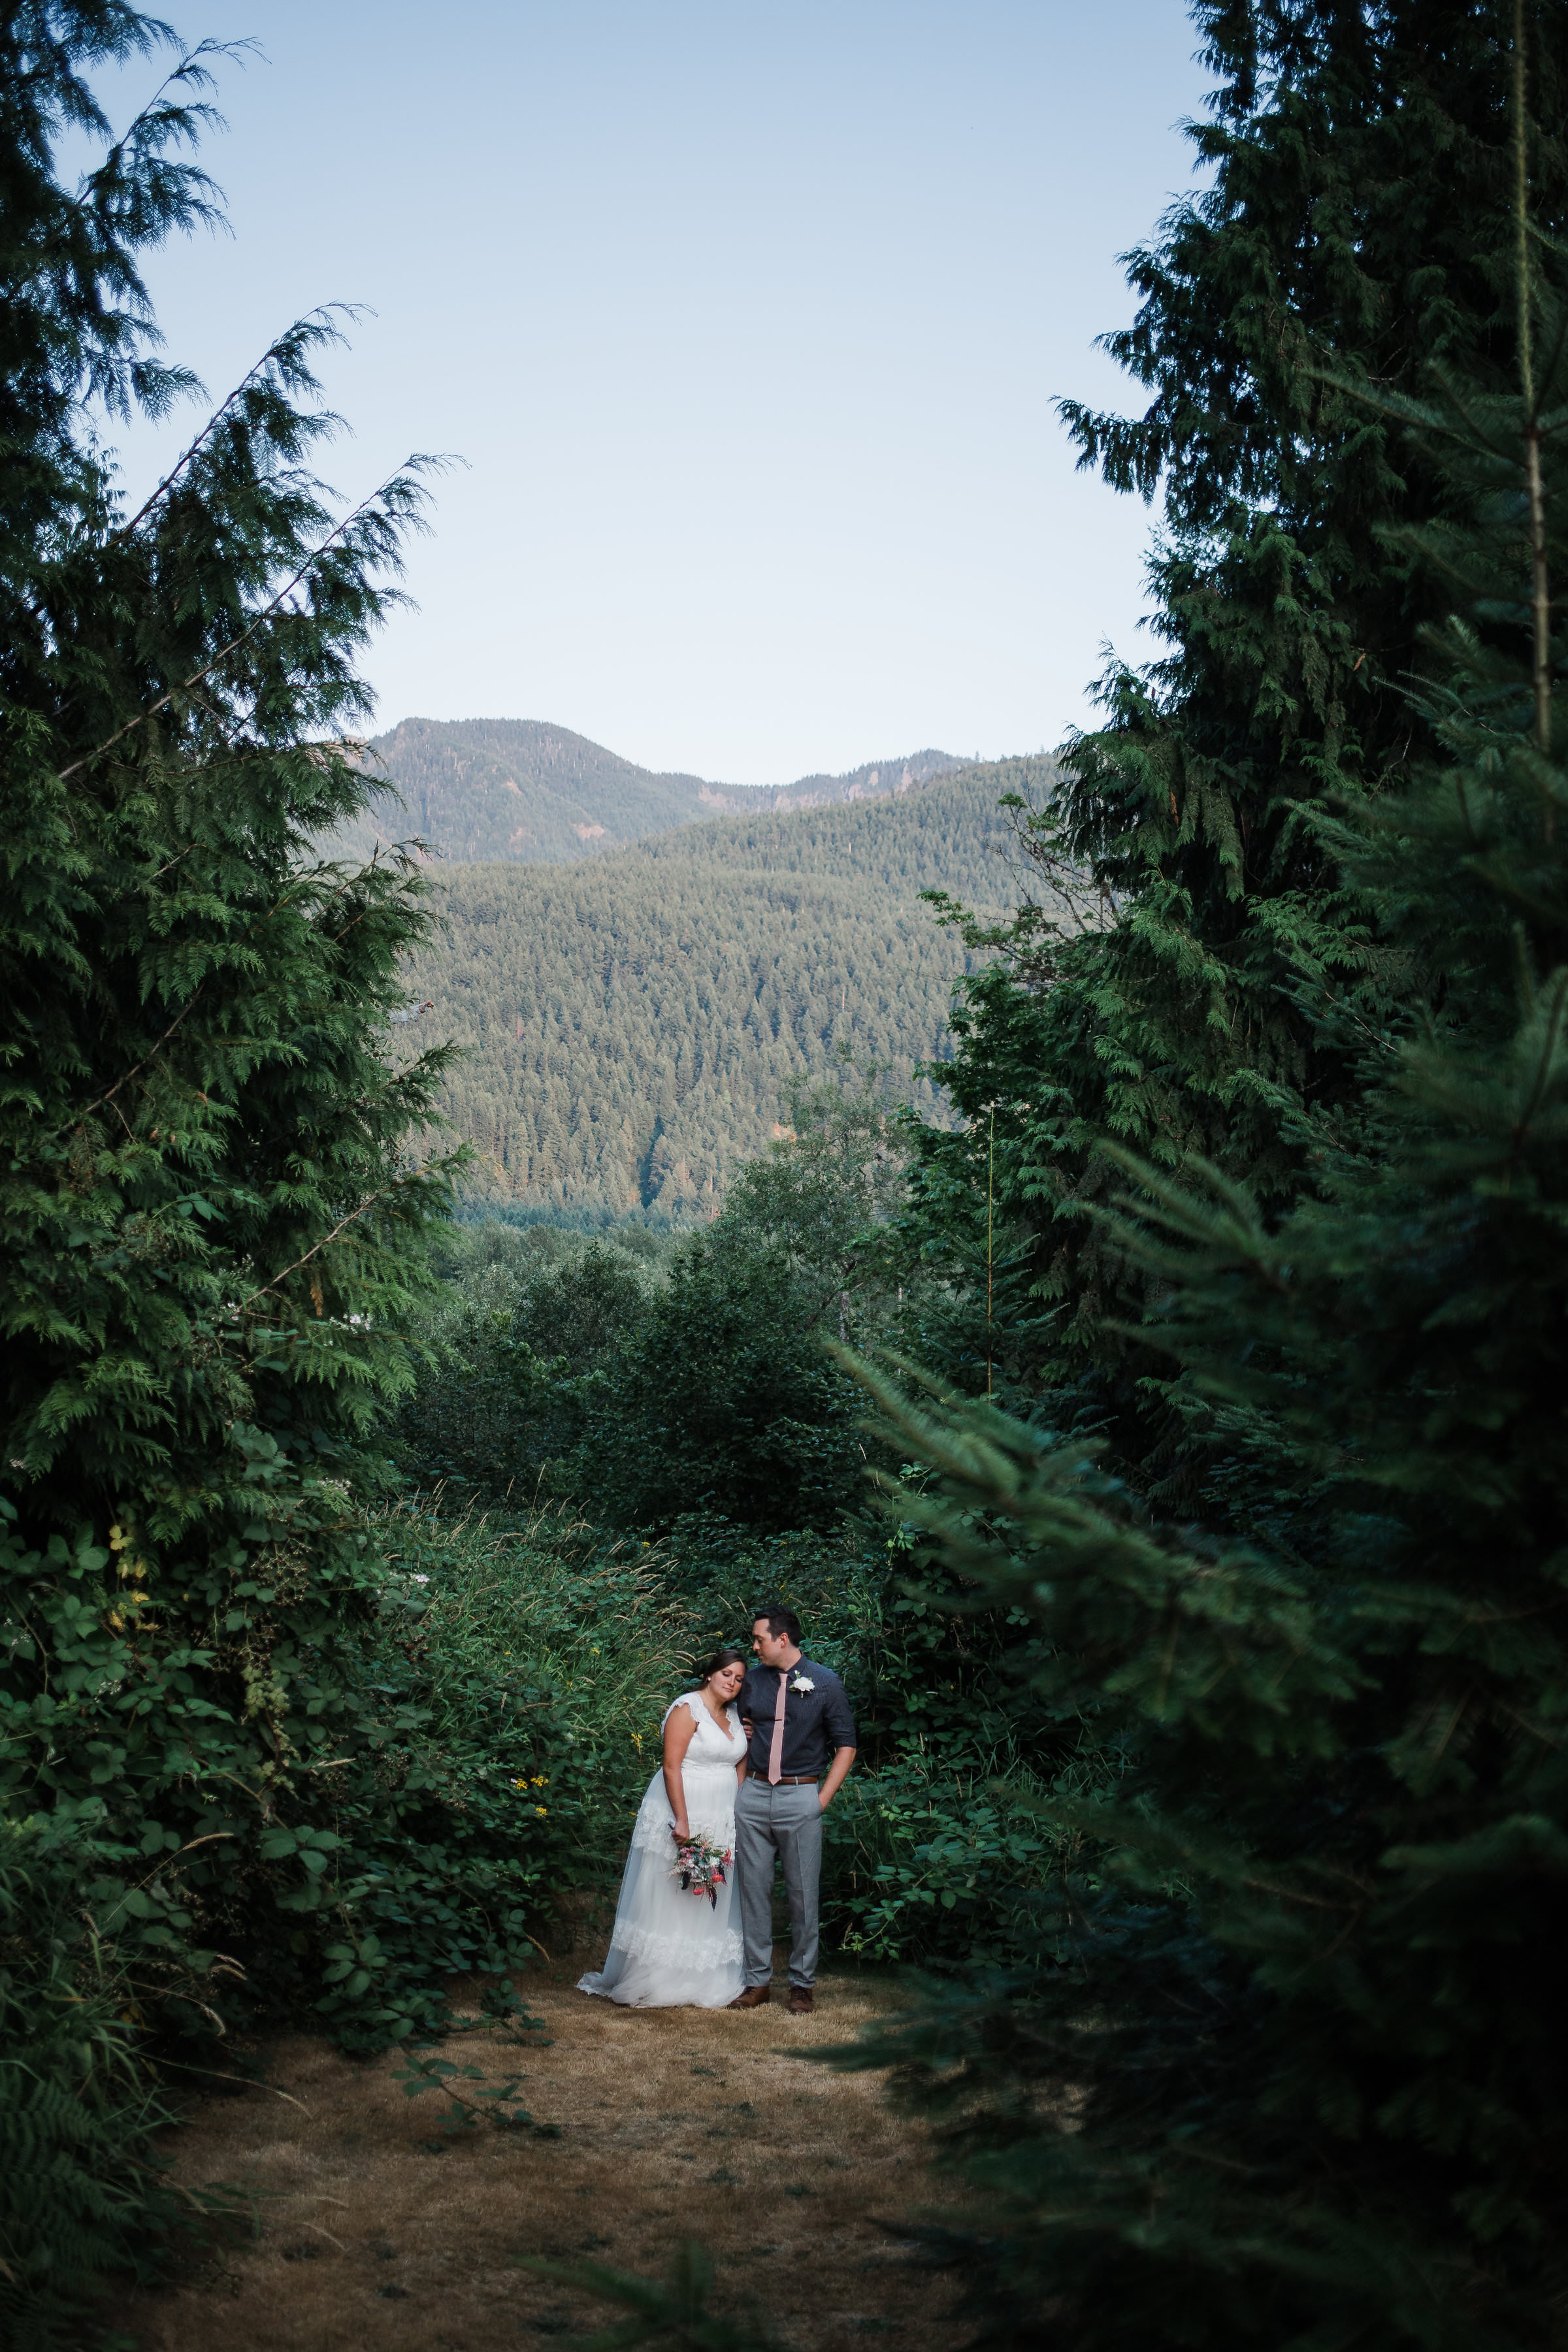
702, 1866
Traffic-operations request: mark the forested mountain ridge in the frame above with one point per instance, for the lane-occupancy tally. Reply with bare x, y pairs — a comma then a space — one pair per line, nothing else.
520, 788
946, 835
630, 1027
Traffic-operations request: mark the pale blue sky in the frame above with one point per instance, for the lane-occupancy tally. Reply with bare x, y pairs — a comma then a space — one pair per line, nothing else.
747, 320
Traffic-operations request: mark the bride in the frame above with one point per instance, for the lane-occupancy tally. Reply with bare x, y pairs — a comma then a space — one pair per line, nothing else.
670, 1945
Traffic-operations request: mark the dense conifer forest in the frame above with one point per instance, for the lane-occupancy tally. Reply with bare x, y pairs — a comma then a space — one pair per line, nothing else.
1162, 1437
629, 1028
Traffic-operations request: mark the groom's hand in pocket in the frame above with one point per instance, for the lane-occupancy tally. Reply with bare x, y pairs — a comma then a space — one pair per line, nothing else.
838, 1772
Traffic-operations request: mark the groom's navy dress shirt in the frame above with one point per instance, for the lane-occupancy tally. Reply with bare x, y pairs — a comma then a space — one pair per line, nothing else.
816, 1721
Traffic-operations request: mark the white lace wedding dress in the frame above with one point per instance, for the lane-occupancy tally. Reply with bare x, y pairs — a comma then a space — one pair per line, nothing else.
667, 1947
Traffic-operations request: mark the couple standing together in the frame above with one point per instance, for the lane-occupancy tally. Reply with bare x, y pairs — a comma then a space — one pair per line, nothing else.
744, 1757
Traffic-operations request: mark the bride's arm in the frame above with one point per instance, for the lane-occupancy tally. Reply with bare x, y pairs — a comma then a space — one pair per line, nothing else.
678, 1733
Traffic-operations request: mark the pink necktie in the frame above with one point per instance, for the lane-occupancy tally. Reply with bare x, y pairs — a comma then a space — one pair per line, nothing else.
775, 1753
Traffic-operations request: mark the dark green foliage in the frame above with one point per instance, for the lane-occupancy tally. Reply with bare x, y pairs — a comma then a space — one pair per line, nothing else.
481, 788
500, 1399
1301, 2010
1355, 231
631, 1028
580, 1310
678, 2315
472, 2099
79, 2193
692, 1382
936, 1850
213, 1241
720, 1400
825, 1198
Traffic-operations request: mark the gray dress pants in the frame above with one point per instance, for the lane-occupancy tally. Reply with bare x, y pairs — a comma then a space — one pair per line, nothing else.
774, 1826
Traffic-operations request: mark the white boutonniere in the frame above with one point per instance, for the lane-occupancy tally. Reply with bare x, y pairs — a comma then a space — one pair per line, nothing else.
803, 1683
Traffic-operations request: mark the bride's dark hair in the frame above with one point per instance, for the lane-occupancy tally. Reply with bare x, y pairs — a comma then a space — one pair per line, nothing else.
717, 1661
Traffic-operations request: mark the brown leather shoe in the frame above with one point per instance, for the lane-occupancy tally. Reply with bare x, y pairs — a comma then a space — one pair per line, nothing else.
753, 1997
800, 2000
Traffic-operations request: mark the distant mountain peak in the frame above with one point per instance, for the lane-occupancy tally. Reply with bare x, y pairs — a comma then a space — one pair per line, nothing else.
525, 790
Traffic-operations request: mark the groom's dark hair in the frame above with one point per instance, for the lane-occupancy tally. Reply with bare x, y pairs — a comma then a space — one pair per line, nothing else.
781, 1620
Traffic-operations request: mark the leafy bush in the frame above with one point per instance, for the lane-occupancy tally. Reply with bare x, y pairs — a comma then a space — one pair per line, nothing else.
702, 1388
79, 2193
719, 1400
499, 1402
538, 1667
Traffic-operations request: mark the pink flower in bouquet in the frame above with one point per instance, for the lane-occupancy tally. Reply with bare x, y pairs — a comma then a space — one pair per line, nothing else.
701, 1866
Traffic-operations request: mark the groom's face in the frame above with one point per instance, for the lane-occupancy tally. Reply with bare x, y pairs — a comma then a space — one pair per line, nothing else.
772, 1648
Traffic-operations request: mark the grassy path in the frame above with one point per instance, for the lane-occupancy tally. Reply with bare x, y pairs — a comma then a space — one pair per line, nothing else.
674, 2123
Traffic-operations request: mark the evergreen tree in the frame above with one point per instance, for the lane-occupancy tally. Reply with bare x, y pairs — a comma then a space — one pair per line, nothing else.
1289, 2069
1354, 232
718, 1400
214, 1240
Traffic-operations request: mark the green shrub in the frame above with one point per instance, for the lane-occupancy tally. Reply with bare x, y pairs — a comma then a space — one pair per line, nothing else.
537, 1667
720, 1400
79, 2193
499, 1401
940, 1859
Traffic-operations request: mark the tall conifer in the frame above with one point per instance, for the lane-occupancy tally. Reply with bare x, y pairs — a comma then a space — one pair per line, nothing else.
1290, 2071
212, 1238
1354, 232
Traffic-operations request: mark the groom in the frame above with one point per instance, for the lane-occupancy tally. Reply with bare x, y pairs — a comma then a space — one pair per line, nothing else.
793, 1710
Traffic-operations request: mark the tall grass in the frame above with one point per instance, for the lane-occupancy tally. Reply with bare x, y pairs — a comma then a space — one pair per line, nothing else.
80, 2195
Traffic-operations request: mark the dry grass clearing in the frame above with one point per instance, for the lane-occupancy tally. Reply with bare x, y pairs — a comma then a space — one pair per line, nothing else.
674, 2123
